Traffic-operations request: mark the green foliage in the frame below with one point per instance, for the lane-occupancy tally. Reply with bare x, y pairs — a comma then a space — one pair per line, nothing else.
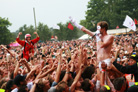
43, 31
66, 34
5, 35
112, 11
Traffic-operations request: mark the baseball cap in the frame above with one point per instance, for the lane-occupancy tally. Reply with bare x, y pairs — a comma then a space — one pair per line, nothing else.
19, 78
134, 57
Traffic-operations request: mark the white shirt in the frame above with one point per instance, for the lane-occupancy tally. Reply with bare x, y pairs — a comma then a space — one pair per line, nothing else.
29, 86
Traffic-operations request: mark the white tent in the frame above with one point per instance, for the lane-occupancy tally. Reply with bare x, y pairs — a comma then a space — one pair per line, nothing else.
85, 36
118, 31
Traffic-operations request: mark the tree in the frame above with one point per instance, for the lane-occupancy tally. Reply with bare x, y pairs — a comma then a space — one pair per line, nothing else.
112, 11
66, 34
5, 35
43, 31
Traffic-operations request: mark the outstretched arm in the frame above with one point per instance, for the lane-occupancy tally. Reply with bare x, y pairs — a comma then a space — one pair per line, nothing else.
7, 50
82, 28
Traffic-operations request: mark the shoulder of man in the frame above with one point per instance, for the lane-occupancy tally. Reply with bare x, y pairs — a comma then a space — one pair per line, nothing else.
15, 90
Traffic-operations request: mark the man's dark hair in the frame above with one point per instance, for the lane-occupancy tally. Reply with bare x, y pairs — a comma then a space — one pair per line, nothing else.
103, 24
85, 85
104, 89
22, 89
8, 47
118, 83
43, 55
62, 75
88, 71
9, 85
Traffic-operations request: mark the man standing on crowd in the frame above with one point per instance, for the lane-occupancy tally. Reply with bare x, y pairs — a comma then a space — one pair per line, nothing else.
28, 44
104, 41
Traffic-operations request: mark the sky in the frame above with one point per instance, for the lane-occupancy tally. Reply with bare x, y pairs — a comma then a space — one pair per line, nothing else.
50, 12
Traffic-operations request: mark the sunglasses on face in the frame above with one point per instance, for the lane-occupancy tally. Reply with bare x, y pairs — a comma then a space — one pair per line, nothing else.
28, 37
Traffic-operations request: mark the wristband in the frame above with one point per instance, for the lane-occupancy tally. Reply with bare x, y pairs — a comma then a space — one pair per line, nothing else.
67, 72
103, 70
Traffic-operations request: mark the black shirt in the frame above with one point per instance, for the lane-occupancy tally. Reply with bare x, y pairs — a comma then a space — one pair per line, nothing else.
133, 69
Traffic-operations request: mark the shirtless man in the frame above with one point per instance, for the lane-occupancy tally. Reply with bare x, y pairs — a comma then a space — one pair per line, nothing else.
104, 41
104, 45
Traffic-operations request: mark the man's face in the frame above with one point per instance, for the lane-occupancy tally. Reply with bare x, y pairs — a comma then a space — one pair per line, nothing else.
131, 62
28, 39
100, 29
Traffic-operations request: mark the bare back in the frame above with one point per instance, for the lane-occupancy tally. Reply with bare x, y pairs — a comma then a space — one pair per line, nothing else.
104, 52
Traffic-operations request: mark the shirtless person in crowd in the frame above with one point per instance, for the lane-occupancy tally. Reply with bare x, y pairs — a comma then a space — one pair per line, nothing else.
104, 42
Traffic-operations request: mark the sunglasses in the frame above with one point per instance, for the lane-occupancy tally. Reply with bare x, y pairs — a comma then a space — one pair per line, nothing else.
29, 37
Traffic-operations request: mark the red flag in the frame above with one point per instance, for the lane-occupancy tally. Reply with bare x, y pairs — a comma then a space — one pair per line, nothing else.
70, 26
135, 21
117, 27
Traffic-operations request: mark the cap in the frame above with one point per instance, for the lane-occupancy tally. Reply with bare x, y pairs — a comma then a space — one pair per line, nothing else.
134, 57
19, 78
27, 35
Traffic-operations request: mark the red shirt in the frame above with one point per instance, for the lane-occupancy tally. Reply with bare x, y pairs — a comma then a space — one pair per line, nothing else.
29, 48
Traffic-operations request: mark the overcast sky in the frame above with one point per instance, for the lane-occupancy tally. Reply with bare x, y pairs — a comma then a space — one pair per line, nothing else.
50, 12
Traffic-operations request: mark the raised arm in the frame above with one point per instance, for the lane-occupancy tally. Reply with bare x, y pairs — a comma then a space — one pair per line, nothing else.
18, 39
103, 75
26, 64
67, 74
82, 28
34, 86
16, 69
36, 39
58, 68
76, 79
7, 50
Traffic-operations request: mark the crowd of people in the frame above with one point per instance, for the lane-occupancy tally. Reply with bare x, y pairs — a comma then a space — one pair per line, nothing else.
69, 66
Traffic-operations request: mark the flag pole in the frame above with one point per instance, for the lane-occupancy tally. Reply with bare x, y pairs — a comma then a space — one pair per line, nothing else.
126, 30
35, 19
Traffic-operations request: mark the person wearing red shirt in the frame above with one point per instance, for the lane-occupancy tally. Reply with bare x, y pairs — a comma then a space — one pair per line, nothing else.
28, 44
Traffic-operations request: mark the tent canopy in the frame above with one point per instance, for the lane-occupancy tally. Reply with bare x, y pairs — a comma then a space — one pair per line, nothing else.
85, 36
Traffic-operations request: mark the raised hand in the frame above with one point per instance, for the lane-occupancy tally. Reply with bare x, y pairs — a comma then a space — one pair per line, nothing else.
35, 33
20, 33
74, 23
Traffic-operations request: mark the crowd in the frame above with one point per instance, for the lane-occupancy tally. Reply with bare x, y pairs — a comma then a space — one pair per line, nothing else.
69, 66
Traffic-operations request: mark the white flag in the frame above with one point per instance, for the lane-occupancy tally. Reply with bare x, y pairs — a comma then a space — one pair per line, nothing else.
129, 23
56, 27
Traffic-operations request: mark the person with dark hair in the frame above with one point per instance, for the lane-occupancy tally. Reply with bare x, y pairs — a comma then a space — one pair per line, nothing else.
23, 89
105, 88
19, 81
120, 84
104, 43
87, 85
133, 88
10, 86
88, 71
130, 69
